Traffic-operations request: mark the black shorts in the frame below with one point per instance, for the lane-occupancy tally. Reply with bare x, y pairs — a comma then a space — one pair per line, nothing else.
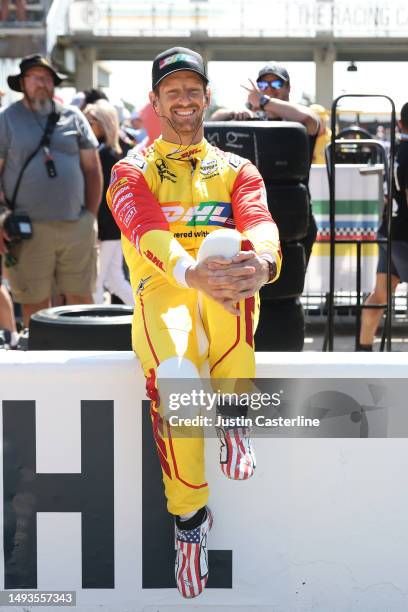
399, 259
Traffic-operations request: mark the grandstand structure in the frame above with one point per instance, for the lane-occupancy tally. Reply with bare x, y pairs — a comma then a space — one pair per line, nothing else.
80, 33
323, 31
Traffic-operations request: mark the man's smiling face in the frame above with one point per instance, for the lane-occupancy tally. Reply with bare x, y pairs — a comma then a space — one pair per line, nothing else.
180, 101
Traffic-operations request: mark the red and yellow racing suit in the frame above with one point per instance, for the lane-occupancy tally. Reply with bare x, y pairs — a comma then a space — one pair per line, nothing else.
165, 203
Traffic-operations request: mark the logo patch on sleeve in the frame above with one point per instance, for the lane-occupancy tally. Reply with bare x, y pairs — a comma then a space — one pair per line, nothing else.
235, 162
137, 160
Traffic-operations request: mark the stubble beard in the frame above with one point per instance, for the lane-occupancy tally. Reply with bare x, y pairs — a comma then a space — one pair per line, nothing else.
188, 128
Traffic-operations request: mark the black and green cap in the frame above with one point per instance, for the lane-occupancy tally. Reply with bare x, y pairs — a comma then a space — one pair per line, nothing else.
176, 59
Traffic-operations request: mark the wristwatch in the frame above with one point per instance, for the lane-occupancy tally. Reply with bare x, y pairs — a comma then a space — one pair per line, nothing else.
263, 101
272, 270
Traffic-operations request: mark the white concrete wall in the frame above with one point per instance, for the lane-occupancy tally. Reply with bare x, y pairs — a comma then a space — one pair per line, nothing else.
321, 527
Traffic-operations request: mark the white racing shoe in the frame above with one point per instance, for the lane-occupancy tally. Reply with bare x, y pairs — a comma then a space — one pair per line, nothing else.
237, 456
192, 556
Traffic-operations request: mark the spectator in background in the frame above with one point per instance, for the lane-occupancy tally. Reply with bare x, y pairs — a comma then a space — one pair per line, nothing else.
380, 133
268, 99
136, 122
126, 143
270, 94
79, 100
323, 137
60, 191
371, 317
136, 131
82, 98
103, 119
93, 95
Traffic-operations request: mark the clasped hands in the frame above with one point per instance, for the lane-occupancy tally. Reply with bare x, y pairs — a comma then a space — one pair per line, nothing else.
227, 280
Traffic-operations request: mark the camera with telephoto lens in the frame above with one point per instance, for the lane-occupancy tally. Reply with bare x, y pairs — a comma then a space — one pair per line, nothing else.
18, 227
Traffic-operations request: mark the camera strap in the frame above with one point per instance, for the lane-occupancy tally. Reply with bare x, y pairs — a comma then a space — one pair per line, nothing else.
44, 143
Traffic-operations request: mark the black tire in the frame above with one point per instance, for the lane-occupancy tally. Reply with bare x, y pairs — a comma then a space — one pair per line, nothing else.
289, 207
292, 277
281, 326
279, 149
81, 328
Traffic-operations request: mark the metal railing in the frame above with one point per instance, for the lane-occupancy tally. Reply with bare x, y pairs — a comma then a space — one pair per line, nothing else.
389, 173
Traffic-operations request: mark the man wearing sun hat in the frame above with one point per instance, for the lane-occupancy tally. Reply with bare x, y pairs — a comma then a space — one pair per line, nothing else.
170, 204
59, 190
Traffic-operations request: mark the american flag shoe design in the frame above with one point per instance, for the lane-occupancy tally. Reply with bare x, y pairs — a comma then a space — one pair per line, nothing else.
192, 558
237, 457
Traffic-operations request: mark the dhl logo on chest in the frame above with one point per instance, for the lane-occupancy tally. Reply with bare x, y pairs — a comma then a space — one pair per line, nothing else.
205, 213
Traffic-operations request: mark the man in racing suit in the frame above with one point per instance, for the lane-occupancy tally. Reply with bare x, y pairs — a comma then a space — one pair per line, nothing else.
189, 311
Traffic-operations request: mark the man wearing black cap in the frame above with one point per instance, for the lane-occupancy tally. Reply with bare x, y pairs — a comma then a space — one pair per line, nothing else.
50, 173
270, 94
174, 206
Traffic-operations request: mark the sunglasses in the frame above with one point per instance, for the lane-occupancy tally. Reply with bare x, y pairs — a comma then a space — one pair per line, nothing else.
275, 84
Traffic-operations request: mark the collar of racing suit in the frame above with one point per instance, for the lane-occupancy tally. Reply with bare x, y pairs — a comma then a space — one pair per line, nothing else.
170, 150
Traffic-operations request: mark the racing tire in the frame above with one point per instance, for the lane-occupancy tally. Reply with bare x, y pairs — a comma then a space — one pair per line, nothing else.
281, 326
279, 149
81, 328
289, 207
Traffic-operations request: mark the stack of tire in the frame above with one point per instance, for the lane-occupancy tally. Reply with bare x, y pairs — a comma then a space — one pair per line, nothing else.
280, 150
81, 328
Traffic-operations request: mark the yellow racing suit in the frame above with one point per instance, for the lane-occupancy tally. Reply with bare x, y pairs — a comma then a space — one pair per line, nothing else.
165, 203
